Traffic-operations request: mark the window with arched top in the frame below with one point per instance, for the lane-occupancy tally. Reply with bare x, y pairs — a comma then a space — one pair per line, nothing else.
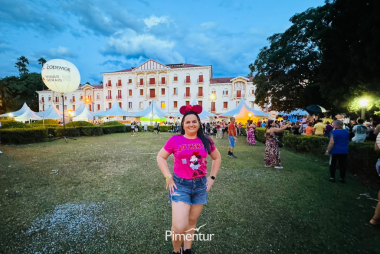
109, 82
225, 92
200, 77
213, 91
119, 82
187, 78
98, 96
175, 78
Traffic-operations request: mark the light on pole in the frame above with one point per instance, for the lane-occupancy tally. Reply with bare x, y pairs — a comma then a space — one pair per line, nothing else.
249, 116
363, 104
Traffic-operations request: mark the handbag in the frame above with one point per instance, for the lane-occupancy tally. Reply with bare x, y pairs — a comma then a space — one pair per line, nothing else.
280, 144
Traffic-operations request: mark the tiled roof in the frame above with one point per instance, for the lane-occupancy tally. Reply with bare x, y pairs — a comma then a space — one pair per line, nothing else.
226, 80
176, 66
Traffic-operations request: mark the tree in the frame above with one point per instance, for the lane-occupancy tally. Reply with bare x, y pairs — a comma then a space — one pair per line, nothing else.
21, 63
286, 69
41, 61
329, 56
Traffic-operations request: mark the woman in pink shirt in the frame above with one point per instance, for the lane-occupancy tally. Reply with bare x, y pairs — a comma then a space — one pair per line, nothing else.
188, 187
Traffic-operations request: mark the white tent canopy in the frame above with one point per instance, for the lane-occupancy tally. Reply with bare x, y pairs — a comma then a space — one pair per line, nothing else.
114, 111
51, 113
27, 115
18, 112
204, 115
79, 110
151, 112
84, 116
242, 110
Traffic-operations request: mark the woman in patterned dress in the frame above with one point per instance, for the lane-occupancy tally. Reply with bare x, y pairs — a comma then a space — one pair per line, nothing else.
251, 140
272, 151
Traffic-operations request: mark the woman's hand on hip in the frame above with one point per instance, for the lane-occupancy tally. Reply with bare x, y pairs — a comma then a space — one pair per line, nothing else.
170, 184
209, 183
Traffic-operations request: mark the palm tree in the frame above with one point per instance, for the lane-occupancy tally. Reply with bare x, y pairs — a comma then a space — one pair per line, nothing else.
22, 61
41, 61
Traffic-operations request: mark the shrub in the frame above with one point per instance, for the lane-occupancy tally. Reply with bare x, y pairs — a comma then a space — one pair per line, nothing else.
302, 143
13, 124
91, 131
67, 131
114, 129
23, 135
79, 124
260, 135
165, 128
46, 122
112, 123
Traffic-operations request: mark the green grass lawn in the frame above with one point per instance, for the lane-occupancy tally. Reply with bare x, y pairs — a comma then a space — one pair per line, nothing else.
106, 195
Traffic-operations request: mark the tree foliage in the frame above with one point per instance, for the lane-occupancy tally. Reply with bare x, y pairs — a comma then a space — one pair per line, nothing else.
328, 56
41, 61
21, 64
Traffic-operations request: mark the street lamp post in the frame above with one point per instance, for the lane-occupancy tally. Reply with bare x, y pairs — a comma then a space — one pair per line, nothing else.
363, 104
249, 116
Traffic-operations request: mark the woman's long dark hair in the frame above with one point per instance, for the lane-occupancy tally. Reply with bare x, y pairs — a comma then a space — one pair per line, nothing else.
269, 125
205, 140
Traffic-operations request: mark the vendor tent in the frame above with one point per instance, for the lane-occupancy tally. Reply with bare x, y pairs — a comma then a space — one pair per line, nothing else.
204, 115
114, 111
153, 112
51, 113
79, 110
84, 116
242, 111
27, 115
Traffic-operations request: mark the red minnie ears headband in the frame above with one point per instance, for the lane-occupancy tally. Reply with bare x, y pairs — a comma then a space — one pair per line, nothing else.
196, 108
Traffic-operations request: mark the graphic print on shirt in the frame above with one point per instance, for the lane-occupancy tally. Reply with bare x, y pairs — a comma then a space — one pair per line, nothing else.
195, 163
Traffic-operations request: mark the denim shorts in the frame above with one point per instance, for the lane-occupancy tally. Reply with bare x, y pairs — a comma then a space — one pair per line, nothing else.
232, 141
189, 191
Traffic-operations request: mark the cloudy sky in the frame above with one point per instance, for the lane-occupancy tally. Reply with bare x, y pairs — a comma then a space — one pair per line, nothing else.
103, 36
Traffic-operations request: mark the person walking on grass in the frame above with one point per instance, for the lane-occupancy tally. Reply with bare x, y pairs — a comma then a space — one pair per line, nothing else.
251, 140
272, 150
232, 137
375, 221
338, 150
132, 129
188, 186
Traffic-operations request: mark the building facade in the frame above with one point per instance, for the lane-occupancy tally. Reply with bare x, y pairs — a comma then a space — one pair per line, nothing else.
171, 86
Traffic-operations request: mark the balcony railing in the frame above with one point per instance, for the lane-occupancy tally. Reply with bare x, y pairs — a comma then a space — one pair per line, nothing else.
199, 94
187, 95
162, 83
119, 85
149, 96
108, 97
199, 81
119, 97
108, 85
72, 101
187, 82
152, 83
42, 101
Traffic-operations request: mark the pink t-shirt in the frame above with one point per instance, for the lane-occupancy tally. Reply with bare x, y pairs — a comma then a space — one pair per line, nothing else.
190, 156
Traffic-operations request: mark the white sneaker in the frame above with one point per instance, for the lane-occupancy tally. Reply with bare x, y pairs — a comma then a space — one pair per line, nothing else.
1, 152
279, 167
267, 166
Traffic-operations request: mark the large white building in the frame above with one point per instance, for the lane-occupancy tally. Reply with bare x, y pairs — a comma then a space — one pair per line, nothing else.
171, 86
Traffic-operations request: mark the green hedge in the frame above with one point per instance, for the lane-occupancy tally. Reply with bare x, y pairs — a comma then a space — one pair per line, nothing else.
46, 122
13, 124
114, 129
91, 131
302, 143
23, 135
112, 123
260, 136
67, 131
79, 124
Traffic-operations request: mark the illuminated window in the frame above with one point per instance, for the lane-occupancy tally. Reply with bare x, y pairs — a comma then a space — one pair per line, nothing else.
162, 104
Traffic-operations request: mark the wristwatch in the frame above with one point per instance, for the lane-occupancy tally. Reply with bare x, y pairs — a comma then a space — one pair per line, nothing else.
212, 177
